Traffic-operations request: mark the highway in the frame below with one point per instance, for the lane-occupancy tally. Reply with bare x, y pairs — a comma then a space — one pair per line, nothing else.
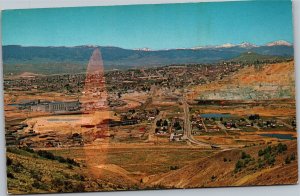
187, 126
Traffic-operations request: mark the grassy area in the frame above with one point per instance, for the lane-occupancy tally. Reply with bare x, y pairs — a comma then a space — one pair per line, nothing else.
28, 172
149, 161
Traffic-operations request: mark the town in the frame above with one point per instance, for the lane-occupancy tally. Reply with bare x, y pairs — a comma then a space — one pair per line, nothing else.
146, 104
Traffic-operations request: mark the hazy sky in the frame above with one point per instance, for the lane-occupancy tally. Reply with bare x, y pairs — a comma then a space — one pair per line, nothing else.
152, 26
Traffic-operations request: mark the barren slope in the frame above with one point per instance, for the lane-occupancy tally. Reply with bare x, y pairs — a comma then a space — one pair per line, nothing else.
214, 171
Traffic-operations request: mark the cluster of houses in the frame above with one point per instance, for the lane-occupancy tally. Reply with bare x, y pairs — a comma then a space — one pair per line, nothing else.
141, 80
71, 83
177, 131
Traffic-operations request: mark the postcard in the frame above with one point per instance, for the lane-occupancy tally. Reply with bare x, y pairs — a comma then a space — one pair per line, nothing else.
157, 96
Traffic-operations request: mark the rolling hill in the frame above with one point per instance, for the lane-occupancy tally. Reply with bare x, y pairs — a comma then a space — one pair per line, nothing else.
252, 57
221, 169
18, 59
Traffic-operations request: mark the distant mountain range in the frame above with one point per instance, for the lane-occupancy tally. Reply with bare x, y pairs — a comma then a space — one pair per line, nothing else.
73, 59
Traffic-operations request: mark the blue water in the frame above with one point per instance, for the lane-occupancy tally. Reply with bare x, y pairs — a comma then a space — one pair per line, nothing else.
280, 136
61, 120
14, 104
215, 115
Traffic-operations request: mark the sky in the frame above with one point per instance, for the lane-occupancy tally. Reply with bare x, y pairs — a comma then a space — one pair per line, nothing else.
161, 26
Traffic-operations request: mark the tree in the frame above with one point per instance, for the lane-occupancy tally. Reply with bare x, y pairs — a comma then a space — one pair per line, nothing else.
245, 155
119, 95
293, 157
8, 161
287, 160
281, 147
157, 111
261, 153
239, 165
165, 123
158, 123
177, 125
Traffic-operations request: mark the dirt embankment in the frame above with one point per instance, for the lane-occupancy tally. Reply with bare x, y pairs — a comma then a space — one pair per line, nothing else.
263, 78
218, 170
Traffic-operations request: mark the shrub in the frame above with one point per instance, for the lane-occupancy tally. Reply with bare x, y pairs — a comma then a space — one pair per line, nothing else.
213, 177
247, 160
271, 160
18, 167
68, 186
72, 162
61, 159
70, 167
56, 182
78, 177
293, 157
8, 161
261, 164
10, 175
36, 175
239, 165
49, 155
46, 154
27, 149
287, 160
66, 175
38, 185
79, 187
281, 148
268, 150
173, 167
245, 156
267, 156
261, 153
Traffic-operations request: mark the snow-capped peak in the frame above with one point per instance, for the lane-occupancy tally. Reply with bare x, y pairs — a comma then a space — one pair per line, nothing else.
227, 45
279, 43
144, 49
247, 45
85, 46
199, 47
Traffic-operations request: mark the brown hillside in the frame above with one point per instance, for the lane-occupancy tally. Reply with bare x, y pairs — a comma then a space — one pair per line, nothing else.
213, 171
276, 74
257, 77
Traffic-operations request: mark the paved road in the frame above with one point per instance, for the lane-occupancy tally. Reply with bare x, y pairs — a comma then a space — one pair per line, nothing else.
287, 125
223, 128
187, 126
254, 124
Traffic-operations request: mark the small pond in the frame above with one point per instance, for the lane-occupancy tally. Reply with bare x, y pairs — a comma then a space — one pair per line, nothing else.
62, 120
215, 115
279, 136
